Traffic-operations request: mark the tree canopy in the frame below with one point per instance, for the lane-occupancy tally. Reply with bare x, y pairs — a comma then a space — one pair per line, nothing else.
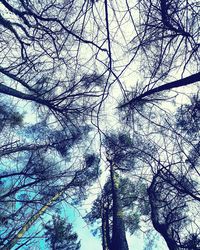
104, 96
59, 234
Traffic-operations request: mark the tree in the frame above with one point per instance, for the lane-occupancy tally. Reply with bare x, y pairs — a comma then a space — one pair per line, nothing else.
40, 159
169, 213
59, 234
167, 37
39, 38
168, 86
123, 155
57, 98
118, 236
39, 153
80, 181
132, 202
174, 190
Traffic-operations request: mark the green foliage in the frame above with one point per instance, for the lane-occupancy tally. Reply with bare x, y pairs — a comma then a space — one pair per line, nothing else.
59, 234
41, 167
44, 68
150, 240
128, 152
132, 222
188, 122
194, 156
92, 80
91, 160
120, 147
9, 117
90, 172
134, 203
6, 207
192, 241
60, 139
188, 117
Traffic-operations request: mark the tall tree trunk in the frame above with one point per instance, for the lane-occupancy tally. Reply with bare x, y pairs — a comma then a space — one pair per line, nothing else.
34, 218
168, 86
54, 245
162, 228
31, 221
29, 97
108, 240
103, 226
119, 241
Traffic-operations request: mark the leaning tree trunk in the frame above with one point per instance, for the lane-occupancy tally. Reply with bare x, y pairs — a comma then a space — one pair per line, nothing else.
31, 221
119, 241
168, 86
163, 227
34, 218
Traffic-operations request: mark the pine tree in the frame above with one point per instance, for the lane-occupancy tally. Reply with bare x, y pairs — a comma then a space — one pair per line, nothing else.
59, 234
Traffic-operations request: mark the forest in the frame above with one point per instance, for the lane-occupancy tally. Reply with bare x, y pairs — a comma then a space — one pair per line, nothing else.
99, 114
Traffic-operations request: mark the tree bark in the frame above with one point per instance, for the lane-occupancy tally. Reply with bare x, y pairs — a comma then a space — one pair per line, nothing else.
34, 218
18, 94
31, 221
161, 228
103, 227
176, 84
119, 241
108, 240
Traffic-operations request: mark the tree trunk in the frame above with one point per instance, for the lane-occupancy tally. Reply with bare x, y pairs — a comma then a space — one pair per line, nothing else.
31, 221
54, 245
179, 83
103, 227
119, 241
162, 228
18, 94
34, 218
108, 240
